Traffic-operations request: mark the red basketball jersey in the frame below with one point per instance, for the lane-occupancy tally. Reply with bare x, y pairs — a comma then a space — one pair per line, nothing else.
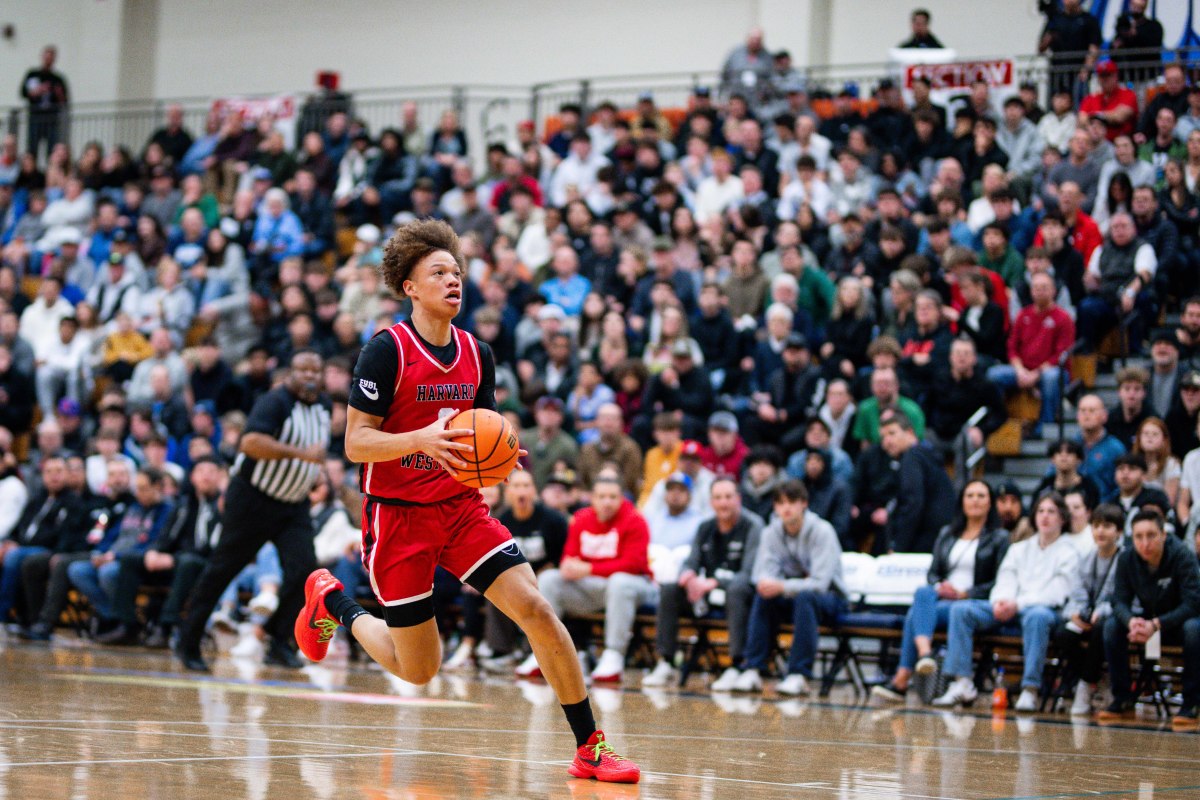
426, 390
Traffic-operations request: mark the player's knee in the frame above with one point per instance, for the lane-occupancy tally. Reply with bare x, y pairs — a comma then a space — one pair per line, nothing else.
419, 674
533, 611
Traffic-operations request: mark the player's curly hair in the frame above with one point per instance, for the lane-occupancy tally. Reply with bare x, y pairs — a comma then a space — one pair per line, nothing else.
412, 242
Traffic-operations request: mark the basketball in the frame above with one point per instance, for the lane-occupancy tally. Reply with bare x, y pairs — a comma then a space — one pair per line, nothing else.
495, 444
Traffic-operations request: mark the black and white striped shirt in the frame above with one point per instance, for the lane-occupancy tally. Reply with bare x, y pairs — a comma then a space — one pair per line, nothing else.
285, 418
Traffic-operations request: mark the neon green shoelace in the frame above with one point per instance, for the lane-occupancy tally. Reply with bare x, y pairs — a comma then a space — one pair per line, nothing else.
603, 746
328, 628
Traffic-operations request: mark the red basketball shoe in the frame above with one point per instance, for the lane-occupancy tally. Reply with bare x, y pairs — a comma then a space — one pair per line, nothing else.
598, 760
315, 626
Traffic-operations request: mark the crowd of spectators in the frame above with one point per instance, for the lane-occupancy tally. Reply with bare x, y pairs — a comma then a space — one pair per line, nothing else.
736, 347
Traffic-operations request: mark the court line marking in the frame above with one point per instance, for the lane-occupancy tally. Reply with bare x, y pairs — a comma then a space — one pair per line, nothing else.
1190, 762
1111, 793
184, 759
816, 785
822, 785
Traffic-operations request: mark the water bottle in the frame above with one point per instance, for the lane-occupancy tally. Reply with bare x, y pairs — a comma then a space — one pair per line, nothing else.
96, 534
1000, 693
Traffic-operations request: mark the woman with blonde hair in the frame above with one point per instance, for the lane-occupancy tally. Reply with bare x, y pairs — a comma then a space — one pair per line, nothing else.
672, 330
1163, 470
850, 330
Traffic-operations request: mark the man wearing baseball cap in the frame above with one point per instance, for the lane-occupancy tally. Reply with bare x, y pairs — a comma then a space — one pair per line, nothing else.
725, 451
690, 466
1114, 104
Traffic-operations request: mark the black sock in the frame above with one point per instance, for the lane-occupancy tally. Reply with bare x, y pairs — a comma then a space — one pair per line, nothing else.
583, 724
343, 608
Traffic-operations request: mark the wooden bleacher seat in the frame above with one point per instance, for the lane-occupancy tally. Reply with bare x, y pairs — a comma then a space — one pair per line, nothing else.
20, 447
30, 285
198, 332
1083, 369
1114, 345
345, 237
1024, 405
1005, 441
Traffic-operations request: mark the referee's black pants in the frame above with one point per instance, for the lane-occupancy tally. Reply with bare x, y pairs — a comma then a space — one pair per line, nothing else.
252, 519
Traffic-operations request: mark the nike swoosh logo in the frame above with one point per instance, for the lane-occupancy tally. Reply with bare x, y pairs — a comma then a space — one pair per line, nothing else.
312, 619
595, 763
371, 395
409, 363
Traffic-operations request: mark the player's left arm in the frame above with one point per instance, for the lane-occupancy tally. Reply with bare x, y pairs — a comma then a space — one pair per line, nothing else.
485, 395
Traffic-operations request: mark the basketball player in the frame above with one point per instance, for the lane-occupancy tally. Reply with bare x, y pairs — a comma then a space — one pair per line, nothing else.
409, 380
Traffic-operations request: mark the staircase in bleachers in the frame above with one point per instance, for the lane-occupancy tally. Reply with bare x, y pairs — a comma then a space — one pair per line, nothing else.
1027, 468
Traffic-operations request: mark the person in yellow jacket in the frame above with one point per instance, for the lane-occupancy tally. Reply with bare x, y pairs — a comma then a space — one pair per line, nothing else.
662, 459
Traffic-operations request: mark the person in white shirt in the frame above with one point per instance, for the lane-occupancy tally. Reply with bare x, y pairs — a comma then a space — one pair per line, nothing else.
852, 184
578, 170
13, 493
60, 367
604, 130
39, 320
1057, 127
1079, 527
808, 143
1032, 586
720, 190
806, 188
71, 212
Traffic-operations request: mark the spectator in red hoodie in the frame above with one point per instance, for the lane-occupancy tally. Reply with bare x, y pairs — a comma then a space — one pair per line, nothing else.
725, 450
605, 567
1039, 337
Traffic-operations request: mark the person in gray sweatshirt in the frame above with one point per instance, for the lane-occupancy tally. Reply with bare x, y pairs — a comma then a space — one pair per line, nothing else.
1088, 606
797, 574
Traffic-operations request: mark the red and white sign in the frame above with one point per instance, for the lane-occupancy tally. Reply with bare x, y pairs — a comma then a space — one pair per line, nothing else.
962, 74
281, 108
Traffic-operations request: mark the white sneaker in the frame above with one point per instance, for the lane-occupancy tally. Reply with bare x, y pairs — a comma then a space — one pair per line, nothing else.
247, 647
663, 674
748, 681
498, 665
221, 619
611, 667
727, 681
793, 685
1028, 701
529, 668
961, 692
264, 603
461, 658
926, 665
1082, 705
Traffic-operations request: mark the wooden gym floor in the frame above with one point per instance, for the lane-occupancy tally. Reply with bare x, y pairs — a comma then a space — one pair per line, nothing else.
78, 721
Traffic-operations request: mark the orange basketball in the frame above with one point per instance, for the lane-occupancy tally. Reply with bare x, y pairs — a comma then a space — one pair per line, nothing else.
495, 444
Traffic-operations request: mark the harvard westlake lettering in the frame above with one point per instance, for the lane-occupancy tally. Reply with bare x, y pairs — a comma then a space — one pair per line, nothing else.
418, 461
444, 392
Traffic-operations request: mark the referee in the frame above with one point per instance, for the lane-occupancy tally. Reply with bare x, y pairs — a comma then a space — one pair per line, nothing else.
279, 459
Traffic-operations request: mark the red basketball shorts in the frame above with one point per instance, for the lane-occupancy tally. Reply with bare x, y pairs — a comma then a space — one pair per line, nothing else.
404, 543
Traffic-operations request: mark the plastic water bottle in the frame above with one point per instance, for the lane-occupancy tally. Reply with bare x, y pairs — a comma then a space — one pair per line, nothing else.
1000, 693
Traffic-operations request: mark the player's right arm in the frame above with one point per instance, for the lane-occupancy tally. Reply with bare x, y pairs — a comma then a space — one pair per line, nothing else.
371, 394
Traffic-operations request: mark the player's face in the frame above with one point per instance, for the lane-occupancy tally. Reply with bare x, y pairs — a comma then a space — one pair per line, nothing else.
436, 285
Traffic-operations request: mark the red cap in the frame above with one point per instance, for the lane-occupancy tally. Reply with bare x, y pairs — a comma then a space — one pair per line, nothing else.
690, 448
1106, 67
526, 124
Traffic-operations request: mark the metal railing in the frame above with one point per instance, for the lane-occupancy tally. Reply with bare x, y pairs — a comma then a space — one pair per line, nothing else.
490, 112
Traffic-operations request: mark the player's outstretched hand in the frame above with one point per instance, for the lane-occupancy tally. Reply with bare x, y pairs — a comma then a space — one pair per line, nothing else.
437, 442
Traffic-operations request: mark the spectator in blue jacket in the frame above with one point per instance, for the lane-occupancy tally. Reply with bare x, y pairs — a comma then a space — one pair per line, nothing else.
1100, 448
96, 577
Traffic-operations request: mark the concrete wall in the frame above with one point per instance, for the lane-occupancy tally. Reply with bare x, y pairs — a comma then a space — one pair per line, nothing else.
136, 48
